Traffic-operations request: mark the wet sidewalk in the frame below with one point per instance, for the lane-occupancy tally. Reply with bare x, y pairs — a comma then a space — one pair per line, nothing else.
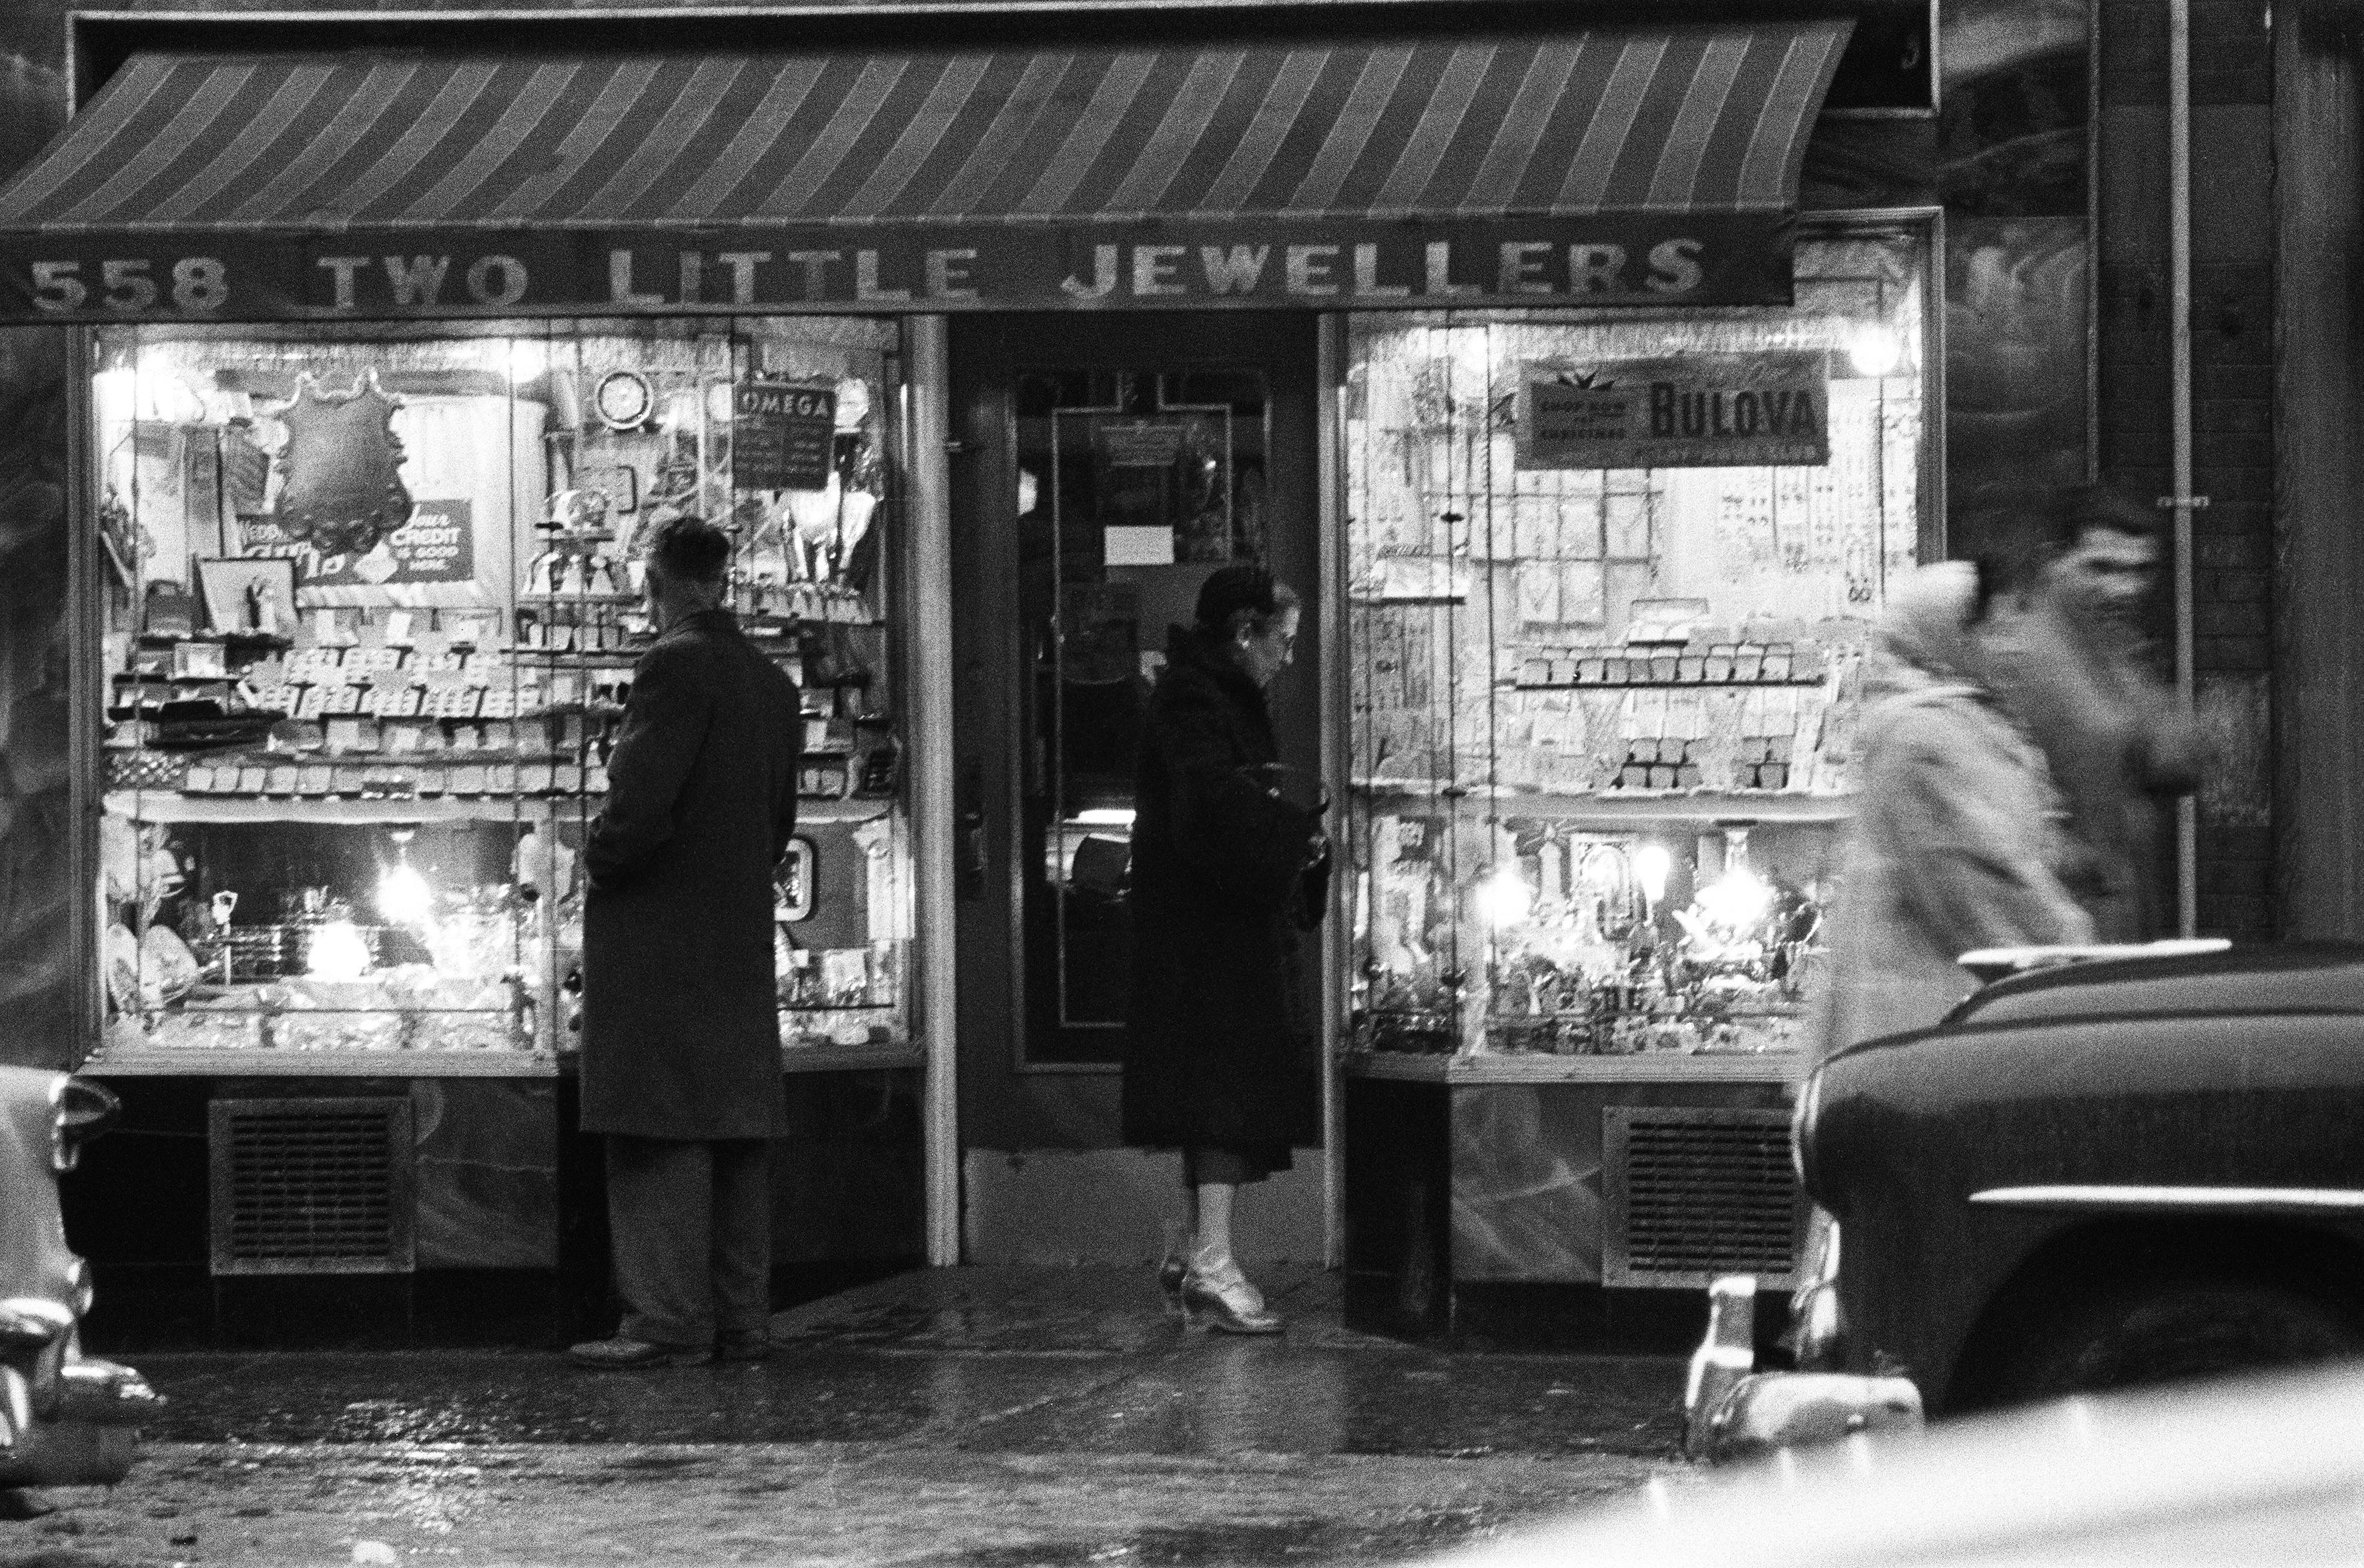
964, 1416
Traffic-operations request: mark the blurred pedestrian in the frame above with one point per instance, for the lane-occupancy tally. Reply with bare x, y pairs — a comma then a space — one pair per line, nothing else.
1958, 841
2071, 656
1227, 871
681, 1032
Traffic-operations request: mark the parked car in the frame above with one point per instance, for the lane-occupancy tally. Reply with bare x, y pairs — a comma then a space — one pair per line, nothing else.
2095, 1174
66, 1420
2263, 1470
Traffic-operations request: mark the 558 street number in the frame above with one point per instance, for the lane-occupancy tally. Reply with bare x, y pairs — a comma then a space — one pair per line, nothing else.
196, 283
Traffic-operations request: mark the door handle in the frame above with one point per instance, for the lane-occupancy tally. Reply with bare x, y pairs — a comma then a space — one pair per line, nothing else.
972, 860
970, 854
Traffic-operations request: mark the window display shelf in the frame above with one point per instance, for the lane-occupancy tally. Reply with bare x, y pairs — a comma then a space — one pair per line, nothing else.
338, 811
1655, 683
260, 1063
850, 1058
1648, 1067
193, 1062
160, 806
1628, 808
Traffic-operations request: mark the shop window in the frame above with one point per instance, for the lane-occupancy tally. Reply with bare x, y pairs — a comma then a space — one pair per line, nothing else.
365, 609
1611, 583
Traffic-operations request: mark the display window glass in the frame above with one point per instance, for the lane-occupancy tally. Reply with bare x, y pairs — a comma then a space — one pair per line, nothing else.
1611, 583
364, 610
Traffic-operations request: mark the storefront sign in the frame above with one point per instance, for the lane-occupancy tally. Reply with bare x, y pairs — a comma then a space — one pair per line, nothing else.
1653, 260
782, 434
437, 545
1701, 411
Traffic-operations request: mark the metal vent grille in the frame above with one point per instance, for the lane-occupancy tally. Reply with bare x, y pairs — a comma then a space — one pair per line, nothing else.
313, 1186
1696, 1193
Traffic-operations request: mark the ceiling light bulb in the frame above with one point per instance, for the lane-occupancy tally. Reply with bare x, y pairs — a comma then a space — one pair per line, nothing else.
1503, 898
404, 897
336, 951
1737, 901
1874, 351
1652, 866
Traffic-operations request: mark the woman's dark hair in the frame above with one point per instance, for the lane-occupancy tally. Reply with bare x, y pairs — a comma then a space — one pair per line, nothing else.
1245, 595
688, 549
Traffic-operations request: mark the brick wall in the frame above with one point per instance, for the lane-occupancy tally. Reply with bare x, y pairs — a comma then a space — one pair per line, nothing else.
2232, 352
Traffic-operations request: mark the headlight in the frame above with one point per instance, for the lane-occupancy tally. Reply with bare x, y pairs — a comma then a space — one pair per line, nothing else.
83, 1110
1801, 1123
1817, 1327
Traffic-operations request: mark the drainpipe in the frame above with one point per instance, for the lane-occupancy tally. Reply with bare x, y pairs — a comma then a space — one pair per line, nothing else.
2179, 178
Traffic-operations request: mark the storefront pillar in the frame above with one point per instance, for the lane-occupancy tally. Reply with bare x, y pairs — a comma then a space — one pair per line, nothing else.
929, 424
1337, 699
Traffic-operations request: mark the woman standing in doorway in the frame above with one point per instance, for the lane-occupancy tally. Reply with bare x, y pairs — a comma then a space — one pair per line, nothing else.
1226, 874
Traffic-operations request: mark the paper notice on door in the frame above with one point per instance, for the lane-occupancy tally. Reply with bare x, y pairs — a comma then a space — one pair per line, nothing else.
1137, 546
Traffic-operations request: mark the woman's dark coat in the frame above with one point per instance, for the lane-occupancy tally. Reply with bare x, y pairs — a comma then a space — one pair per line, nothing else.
681, 1030
1216, 1053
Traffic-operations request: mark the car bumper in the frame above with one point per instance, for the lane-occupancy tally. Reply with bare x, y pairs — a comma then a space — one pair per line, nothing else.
74, 1424
1732, 1411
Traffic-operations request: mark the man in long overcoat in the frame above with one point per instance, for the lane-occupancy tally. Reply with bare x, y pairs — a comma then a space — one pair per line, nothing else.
681, 1039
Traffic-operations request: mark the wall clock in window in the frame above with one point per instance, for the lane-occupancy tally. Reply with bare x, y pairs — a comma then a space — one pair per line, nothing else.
624, 400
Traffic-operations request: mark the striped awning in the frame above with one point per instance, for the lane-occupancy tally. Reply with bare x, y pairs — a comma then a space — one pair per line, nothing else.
1607, 166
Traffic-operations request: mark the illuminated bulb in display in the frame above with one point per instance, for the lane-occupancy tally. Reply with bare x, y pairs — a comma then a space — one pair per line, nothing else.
1503, 898
1652, 866
527, 359
404, 897
1874, 351
336, 951
1737, 900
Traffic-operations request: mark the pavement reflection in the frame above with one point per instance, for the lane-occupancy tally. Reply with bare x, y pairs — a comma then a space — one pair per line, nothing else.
963, 1419
1054, 1360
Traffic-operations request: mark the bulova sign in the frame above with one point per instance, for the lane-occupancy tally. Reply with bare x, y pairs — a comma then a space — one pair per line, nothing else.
1662, 259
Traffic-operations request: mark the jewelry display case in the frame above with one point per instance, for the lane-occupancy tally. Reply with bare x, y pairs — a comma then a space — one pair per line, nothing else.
1610, 583
367, 609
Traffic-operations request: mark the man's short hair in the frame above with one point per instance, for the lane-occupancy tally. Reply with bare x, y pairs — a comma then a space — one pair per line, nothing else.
688, 549
2080, 509
2018, 530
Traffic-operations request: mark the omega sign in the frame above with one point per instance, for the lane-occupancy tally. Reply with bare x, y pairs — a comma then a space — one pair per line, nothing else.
1701, 411
1680, 259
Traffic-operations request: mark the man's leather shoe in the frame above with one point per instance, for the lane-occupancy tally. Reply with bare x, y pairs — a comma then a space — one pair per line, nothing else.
621, 1354
754, 1348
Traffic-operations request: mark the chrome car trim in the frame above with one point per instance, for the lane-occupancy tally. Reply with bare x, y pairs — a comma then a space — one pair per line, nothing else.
1991, 964
106, 1394
2129, 1197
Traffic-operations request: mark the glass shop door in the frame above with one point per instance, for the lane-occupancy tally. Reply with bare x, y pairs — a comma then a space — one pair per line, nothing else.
1106, 467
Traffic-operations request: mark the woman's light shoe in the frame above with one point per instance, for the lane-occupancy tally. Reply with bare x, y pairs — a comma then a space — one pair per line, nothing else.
1222, 1298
